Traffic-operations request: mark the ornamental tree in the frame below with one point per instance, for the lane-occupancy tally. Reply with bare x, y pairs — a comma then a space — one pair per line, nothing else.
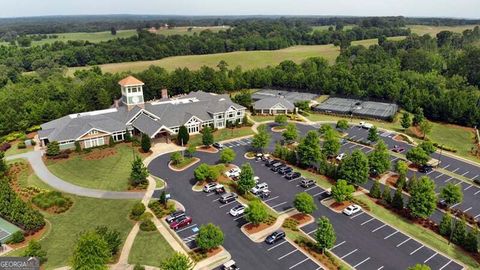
290, 133
281, 119
146, 143
207, 136
379, 159
375, 191
34, 249
406, 121
425, 127
177, 261
209, 237
331, 144
451, 194
428, 147
90, 252
418, 156
354, 168
139, 172
342, 191
256, 212
420, 267
53, 149
423, 200
325, 234
183, 137
445, 226
342, 125
227, 155
245, 182
304, 203
373, 134
176, 158
261, 139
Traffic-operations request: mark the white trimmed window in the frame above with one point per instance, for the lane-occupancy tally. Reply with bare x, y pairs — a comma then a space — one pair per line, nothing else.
94, 142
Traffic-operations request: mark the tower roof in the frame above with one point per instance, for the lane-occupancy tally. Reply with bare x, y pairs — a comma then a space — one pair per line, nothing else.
130, 80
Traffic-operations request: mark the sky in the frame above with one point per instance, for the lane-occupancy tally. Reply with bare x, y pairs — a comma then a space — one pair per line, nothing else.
411, 8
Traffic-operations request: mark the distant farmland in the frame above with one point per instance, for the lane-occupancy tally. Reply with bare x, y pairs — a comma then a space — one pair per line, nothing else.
433, 30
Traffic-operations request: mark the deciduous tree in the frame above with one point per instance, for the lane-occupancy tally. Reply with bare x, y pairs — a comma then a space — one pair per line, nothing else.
406, 121
379, 159
451, 194
309, 149
207, 136
209, 237
246, 182
354, 168
423, 200
177, 261
325, 234
304, 203
290, 133
90, 252
256, 212
227, 155
373, 134
342, 191
261, 139
183, 137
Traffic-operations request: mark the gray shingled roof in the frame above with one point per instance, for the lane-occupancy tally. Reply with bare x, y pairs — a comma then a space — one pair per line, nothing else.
268, 103
71, 127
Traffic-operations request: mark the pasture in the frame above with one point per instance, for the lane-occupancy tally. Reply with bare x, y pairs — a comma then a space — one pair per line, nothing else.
434, 30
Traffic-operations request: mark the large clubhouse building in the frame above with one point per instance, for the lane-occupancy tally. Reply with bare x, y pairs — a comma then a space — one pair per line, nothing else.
157, 118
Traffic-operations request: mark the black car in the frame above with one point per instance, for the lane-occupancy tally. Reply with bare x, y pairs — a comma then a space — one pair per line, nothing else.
285, 170
218, 145
292, 175
476, 181
277, 166
425, 169
175, 215
264, 194
275, 237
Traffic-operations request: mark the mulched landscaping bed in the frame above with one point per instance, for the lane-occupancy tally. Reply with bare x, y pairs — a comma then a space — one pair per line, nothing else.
392, 180
209, 149
340, 206
100, 154
301, 218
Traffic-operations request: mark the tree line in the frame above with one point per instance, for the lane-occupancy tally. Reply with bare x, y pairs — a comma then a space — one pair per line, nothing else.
249, 35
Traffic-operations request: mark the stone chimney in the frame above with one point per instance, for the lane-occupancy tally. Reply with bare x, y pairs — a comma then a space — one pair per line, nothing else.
164, 93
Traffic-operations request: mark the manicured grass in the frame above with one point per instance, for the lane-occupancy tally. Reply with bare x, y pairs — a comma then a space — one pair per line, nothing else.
433, 30
262, 118
108, 173
424, 235
223, 134
149, 248
185, 162
15, 151
28, 178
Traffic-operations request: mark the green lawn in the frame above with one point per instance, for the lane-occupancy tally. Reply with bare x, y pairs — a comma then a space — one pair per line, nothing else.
262, 118
223, 134
424, 235
149, 248
433, 30
109, 173
15, 151
28, 178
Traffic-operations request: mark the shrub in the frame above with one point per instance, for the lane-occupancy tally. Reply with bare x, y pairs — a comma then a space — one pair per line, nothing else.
138, 267
290, 224
4, 147
53, 149
34, 249
146, 143
137, 210
111, 237
17, 237
46, 200
147, 225
21, 145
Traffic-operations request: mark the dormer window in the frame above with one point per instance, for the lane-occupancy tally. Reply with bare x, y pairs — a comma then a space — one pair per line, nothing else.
93, 132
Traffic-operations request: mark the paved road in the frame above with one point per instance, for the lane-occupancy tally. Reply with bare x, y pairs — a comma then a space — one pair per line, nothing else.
35, 159
205, 208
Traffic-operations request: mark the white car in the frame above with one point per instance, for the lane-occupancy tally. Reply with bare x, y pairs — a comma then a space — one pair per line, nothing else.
352, 209
340, 157
259, 188
211, 187
366, 125
235, 172
237, 210
256, 179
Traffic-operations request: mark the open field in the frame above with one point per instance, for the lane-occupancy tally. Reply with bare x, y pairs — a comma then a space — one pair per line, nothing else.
325, 27
245, 59
433, 30
108, 173
183, 30
149, 248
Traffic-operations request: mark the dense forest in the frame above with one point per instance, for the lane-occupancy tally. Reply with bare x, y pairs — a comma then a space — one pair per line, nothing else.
248, 35
96, 23
440, 75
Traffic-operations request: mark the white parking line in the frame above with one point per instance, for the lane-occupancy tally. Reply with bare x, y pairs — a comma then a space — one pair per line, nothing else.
455, 170
352, 146
216, 200
448, 179
413, 252
319, 193
380, 268
465, 173
369, 150
297, 264
281, 243
475, 217
476, 192
337, 245
430, 257
353, 137
379, 227
467, 187
186, 228
210, 194
445, 265
468, 209
271, 199
455, 205
237, 218
361, 213
350, 253
358, 264
294, 179
475, 176
440, 175
395, 159
279, 258
221, 206
190, 238
408, 239
279, 204
446, 166
365, 222
315, 186
390, 235
312, 231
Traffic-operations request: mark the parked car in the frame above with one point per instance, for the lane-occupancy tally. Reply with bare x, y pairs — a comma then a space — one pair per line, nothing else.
180, 222
352, 209
264, 194
366, 125
265, 157
306, 183
275, 237
340, 156
211, 187
285, 170
228, 197
292, 175
398, 149
237, 210
217, 145
258, 156
343, 141
220, 190
425, 169
277, 166
476, 181
173, 216
230, 265
259, 187
270, 162
256, 179
234, 172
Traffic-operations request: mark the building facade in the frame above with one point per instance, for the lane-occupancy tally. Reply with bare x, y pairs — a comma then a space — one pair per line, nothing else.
157, 118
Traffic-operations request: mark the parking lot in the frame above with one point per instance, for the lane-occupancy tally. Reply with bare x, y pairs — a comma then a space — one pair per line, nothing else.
286, 253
